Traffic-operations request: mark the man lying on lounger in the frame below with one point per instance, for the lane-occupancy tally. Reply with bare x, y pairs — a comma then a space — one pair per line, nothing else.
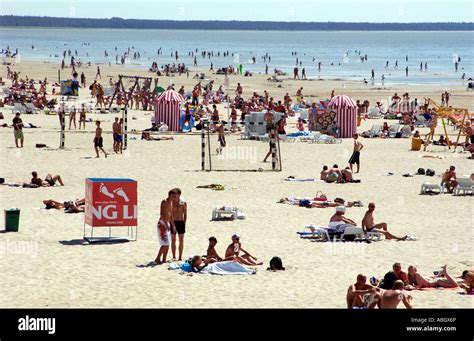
368, 224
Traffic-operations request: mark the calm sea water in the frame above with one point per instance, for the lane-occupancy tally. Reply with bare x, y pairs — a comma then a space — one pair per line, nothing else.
340, 48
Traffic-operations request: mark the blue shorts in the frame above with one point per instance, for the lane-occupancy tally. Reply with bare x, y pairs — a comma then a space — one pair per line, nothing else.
117, 137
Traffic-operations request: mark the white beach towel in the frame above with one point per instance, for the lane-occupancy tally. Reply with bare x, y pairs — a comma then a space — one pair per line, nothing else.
227, 268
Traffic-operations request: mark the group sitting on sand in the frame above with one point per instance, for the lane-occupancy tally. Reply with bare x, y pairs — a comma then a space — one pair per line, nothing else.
390, 292
336, 175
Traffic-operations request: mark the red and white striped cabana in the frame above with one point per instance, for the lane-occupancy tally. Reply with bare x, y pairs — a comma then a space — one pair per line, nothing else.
346, 114
168, 109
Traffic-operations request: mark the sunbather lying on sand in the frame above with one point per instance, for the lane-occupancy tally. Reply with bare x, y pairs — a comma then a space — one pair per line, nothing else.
368, 224
312, 203
71, 206
49, 181
147, 136
444, 280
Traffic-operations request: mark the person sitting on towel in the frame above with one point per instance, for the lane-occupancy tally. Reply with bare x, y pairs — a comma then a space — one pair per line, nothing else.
233, 253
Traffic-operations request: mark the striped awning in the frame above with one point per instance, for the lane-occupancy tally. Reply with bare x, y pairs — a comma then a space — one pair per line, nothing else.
168, 109
346, 110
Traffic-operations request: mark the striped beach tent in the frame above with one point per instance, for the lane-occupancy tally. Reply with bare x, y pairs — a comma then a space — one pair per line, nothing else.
168, 109
346, 114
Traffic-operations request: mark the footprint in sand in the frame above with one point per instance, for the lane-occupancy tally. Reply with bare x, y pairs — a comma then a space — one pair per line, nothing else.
105, 191
121, 193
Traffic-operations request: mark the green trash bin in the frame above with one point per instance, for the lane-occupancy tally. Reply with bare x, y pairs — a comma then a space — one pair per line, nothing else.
12, 219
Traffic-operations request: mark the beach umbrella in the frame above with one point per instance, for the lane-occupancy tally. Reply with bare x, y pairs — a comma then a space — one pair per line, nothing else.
167, 109
346, 114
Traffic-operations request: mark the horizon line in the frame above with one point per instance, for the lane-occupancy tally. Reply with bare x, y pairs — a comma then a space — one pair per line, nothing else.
243, 21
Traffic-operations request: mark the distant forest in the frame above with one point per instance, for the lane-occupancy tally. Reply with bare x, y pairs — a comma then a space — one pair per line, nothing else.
15, 21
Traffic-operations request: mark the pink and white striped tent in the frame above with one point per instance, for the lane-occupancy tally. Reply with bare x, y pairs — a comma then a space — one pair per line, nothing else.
346, 114
168, 109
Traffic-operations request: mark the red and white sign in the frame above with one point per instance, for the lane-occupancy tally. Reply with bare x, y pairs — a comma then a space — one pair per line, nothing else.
111, 202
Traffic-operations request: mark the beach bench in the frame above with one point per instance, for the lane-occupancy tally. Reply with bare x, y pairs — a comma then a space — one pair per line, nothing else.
375, 131
431, 188
227, 212
374, 113
465, 185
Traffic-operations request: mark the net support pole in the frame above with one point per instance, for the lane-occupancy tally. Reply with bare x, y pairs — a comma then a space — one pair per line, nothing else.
62, 137
209, 146
203, 147
279, 154
273, 148
125, 128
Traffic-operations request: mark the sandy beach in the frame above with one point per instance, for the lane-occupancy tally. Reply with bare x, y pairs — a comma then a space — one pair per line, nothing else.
47, 264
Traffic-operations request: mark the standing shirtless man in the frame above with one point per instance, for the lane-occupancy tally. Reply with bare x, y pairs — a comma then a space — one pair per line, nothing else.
180, 215
98, 140
163, 227
117, 134
368, 224
355, 158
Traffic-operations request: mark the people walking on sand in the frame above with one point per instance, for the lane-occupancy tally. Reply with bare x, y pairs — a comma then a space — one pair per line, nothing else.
164, 226
406, 71
369, 225
355, 158
18, 130
98, 140
98, 73
179, 215
221, 138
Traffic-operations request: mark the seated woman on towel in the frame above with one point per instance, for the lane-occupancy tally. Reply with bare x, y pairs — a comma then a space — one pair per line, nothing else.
233, 253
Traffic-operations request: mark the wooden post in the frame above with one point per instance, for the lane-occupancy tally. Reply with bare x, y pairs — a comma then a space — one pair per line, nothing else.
209, 146
273, 147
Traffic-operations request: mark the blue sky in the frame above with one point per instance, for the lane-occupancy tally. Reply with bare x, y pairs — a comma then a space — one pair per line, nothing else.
275, 10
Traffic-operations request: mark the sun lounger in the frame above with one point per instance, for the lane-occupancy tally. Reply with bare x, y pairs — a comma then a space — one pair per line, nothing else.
421, 121
465, 185
31, 109
18, 107
394, 130
375, 131
406, 131
374, 113
430, 188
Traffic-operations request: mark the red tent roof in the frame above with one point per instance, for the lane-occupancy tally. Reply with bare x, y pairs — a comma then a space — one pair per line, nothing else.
341, 101
170, 96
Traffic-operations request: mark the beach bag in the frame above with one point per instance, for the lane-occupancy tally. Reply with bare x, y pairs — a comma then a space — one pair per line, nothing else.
421, 171
430, 172
2, 180
320, 196
40, 145
276, 264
